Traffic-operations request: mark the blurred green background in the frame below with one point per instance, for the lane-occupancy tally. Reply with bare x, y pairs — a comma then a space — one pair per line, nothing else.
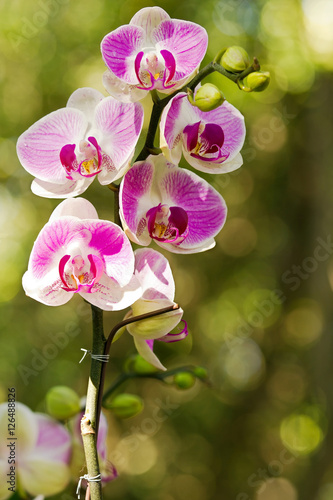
258, 305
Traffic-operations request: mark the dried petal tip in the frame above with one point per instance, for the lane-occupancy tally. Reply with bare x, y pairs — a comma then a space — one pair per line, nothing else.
258, 81
207, 98
235, 59
125, 405
62, 402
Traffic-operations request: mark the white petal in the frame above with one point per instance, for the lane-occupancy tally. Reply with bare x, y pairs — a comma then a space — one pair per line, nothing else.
86, 100
76, 207
66, 190
121, 90
147, 354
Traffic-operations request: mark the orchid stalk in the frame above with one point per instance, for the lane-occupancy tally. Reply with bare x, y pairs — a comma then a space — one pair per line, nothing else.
96, 136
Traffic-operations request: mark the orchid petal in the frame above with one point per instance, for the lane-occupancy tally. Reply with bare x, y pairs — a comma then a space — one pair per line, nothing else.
154, 274
134, 201
121, 90
109, 241
54, 441
39, 475
119, 49
86, 100
76, 207
120, 125
175, 117
69, 189
146, 352
212, 167
39, 147
109, 296
148, 19
185, 40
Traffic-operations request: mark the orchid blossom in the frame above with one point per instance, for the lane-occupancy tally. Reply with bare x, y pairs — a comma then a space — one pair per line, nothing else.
108, 470
75, 252
153, 272
210, 140
176, 208
152, 52
93, 136
43, 450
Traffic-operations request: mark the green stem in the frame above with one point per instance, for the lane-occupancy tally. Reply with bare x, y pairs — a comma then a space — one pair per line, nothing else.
89, 422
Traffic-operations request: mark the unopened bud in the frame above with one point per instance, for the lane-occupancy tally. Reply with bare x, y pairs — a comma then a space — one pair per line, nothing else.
207, 98
125, 405
235, 59
62, 402
184, 380
258, 80
200, 372
139, 365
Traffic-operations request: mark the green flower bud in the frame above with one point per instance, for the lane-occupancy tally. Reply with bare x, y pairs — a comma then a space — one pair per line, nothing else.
184, 380
62, 402
235, 59
257, 81
138, 364
200, 372
125, 405
207, 98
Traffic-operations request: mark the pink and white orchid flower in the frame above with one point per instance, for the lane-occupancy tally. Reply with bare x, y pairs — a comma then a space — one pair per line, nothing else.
108, 470
93, 136
75, 252
42, 448
152, 52
170, 205
154, 274
210, 140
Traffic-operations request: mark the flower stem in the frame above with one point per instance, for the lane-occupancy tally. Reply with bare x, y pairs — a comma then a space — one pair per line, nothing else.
89, 422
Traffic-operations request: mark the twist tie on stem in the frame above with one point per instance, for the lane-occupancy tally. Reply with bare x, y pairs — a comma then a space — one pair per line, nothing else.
95, 479
104, 358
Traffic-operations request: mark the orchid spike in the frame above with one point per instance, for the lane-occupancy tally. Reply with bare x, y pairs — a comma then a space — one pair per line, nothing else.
175, 207
108, 470
43, 450
152, 52
93, 136
75, 252
153, 272
210, 140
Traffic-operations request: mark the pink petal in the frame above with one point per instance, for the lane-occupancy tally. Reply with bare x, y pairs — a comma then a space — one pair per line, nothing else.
135, 200
232, 123
54, 441
110, 242
39, 147
120, 125
148, 19
109, 296
185, 40
119, 49
154, 274
121, 90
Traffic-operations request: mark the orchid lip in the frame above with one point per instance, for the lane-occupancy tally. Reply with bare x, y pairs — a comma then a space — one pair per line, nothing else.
175, 337
91, 163
153, 69
169, 225
77, 276
204, 142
